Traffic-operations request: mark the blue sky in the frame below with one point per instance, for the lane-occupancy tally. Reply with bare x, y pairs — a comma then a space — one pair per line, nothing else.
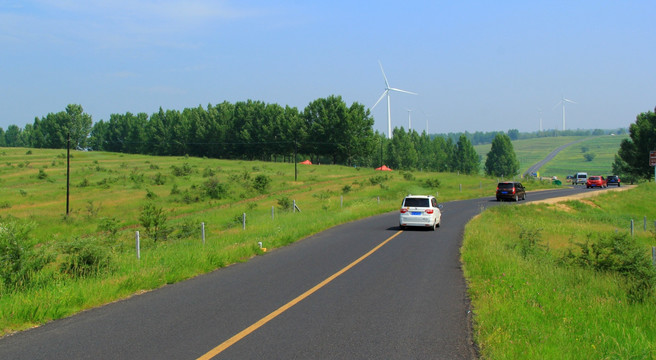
476, 65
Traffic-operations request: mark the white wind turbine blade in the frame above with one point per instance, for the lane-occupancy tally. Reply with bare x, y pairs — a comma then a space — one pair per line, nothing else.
403, 91
380, 98
569, 101
384, 77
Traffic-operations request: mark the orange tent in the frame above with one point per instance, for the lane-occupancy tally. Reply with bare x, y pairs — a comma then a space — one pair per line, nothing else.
384, 168
306, 162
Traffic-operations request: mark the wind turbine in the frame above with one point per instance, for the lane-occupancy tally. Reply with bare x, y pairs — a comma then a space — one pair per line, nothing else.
387, 93
562, 102
409, 120
540, 113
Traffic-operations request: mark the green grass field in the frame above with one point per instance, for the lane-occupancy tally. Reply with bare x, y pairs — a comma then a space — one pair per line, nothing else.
570, 160
531, 301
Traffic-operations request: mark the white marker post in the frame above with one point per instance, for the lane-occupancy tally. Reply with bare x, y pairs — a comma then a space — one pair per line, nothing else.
138, 246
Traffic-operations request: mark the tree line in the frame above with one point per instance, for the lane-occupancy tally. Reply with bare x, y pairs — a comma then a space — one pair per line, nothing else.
326, 131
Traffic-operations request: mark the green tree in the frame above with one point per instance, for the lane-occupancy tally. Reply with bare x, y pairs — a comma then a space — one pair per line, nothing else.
501, 160
633, 155
465, 158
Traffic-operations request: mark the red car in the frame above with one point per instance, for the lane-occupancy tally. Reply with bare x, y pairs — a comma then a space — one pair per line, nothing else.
596, 181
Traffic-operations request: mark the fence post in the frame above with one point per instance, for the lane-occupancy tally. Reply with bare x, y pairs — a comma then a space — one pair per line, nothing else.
653, 255
460, 187
202, 231
632, 227
136, 236
243, 221
378, 197
272, 213
644, 223
294, 206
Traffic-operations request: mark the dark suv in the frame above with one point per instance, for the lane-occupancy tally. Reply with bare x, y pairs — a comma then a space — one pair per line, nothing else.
613, 180
510, 190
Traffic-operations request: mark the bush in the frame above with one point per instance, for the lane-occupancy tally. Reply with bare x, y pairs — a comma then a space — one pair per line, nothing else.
589, 156
42, 175
432, 183
378, 179
154, 219
346, 189
12, 254
84, 257
261, 183
183, 170
620, 254
285, 204
408, 176
215, 189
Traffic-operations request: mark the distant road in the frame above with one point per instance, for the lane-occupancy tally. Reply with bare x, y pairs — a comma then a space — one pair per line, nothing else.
362, 290
538, 165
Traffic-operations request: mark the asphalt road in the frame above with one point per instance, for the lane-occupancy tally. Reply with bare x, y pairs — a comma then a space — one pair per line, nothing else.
363, 290
536, 167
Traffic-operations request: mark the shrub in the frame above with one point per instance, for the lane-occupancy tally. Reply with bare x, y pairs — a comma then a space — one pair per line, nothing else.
159, 179
109, 225
42, 175
183, 170
285, 204
432, 183
84, 183
346, 189
261, 183
620, 254
215, 189
12, 254
530, 242
589, 156
154, 219
378, 179
84, 257
408, 176
208, 172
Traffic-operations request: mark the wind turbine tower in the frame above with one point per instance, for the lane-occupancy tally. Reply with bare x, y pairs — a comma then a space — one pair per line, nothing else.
409, 120
562, 103
387, 91
540, 113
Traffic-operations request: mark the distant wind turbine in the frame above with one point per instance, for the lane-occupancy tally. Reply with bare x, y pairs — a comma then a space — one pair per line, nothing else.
387, 93
562, 102
540, 113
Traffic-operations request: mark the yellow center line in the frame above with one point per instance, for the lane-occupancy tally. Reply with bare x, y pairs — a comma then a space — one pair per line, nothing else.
226, 344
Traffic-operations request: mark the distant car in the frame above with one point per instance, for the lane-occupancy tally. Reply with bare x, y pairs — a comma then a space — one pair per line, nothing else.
613, 180
596, 181
421, 211
511, 190
580, 178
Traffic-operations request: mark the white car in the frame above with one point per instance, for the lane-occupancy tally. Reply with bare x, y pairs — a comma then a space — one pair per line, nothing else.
420, 210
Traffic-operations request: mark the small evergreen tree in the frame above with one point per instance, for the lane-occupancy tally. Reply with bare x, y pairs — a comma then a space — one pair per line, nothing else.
465, 158
501, 160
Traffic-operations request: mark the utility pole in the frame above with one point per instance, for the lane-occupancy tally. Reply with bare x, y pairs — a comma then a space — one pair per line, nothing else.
68, 170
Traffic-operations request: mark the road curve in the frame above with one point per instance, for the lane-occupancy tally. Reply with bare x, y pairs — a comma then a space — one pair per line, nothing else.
402, 296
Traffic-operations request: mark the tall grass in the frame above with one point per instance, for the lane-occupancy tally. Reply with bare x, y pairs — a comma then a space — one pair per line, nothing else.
529, 302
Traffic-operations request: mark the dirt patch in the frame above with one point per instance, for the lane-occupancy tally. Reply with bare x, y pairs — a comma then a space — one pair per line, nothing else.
580, 196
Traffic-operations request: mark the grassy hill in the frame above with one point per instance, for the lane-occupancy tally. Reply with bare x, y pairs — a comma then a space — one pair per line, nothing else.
570, 160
